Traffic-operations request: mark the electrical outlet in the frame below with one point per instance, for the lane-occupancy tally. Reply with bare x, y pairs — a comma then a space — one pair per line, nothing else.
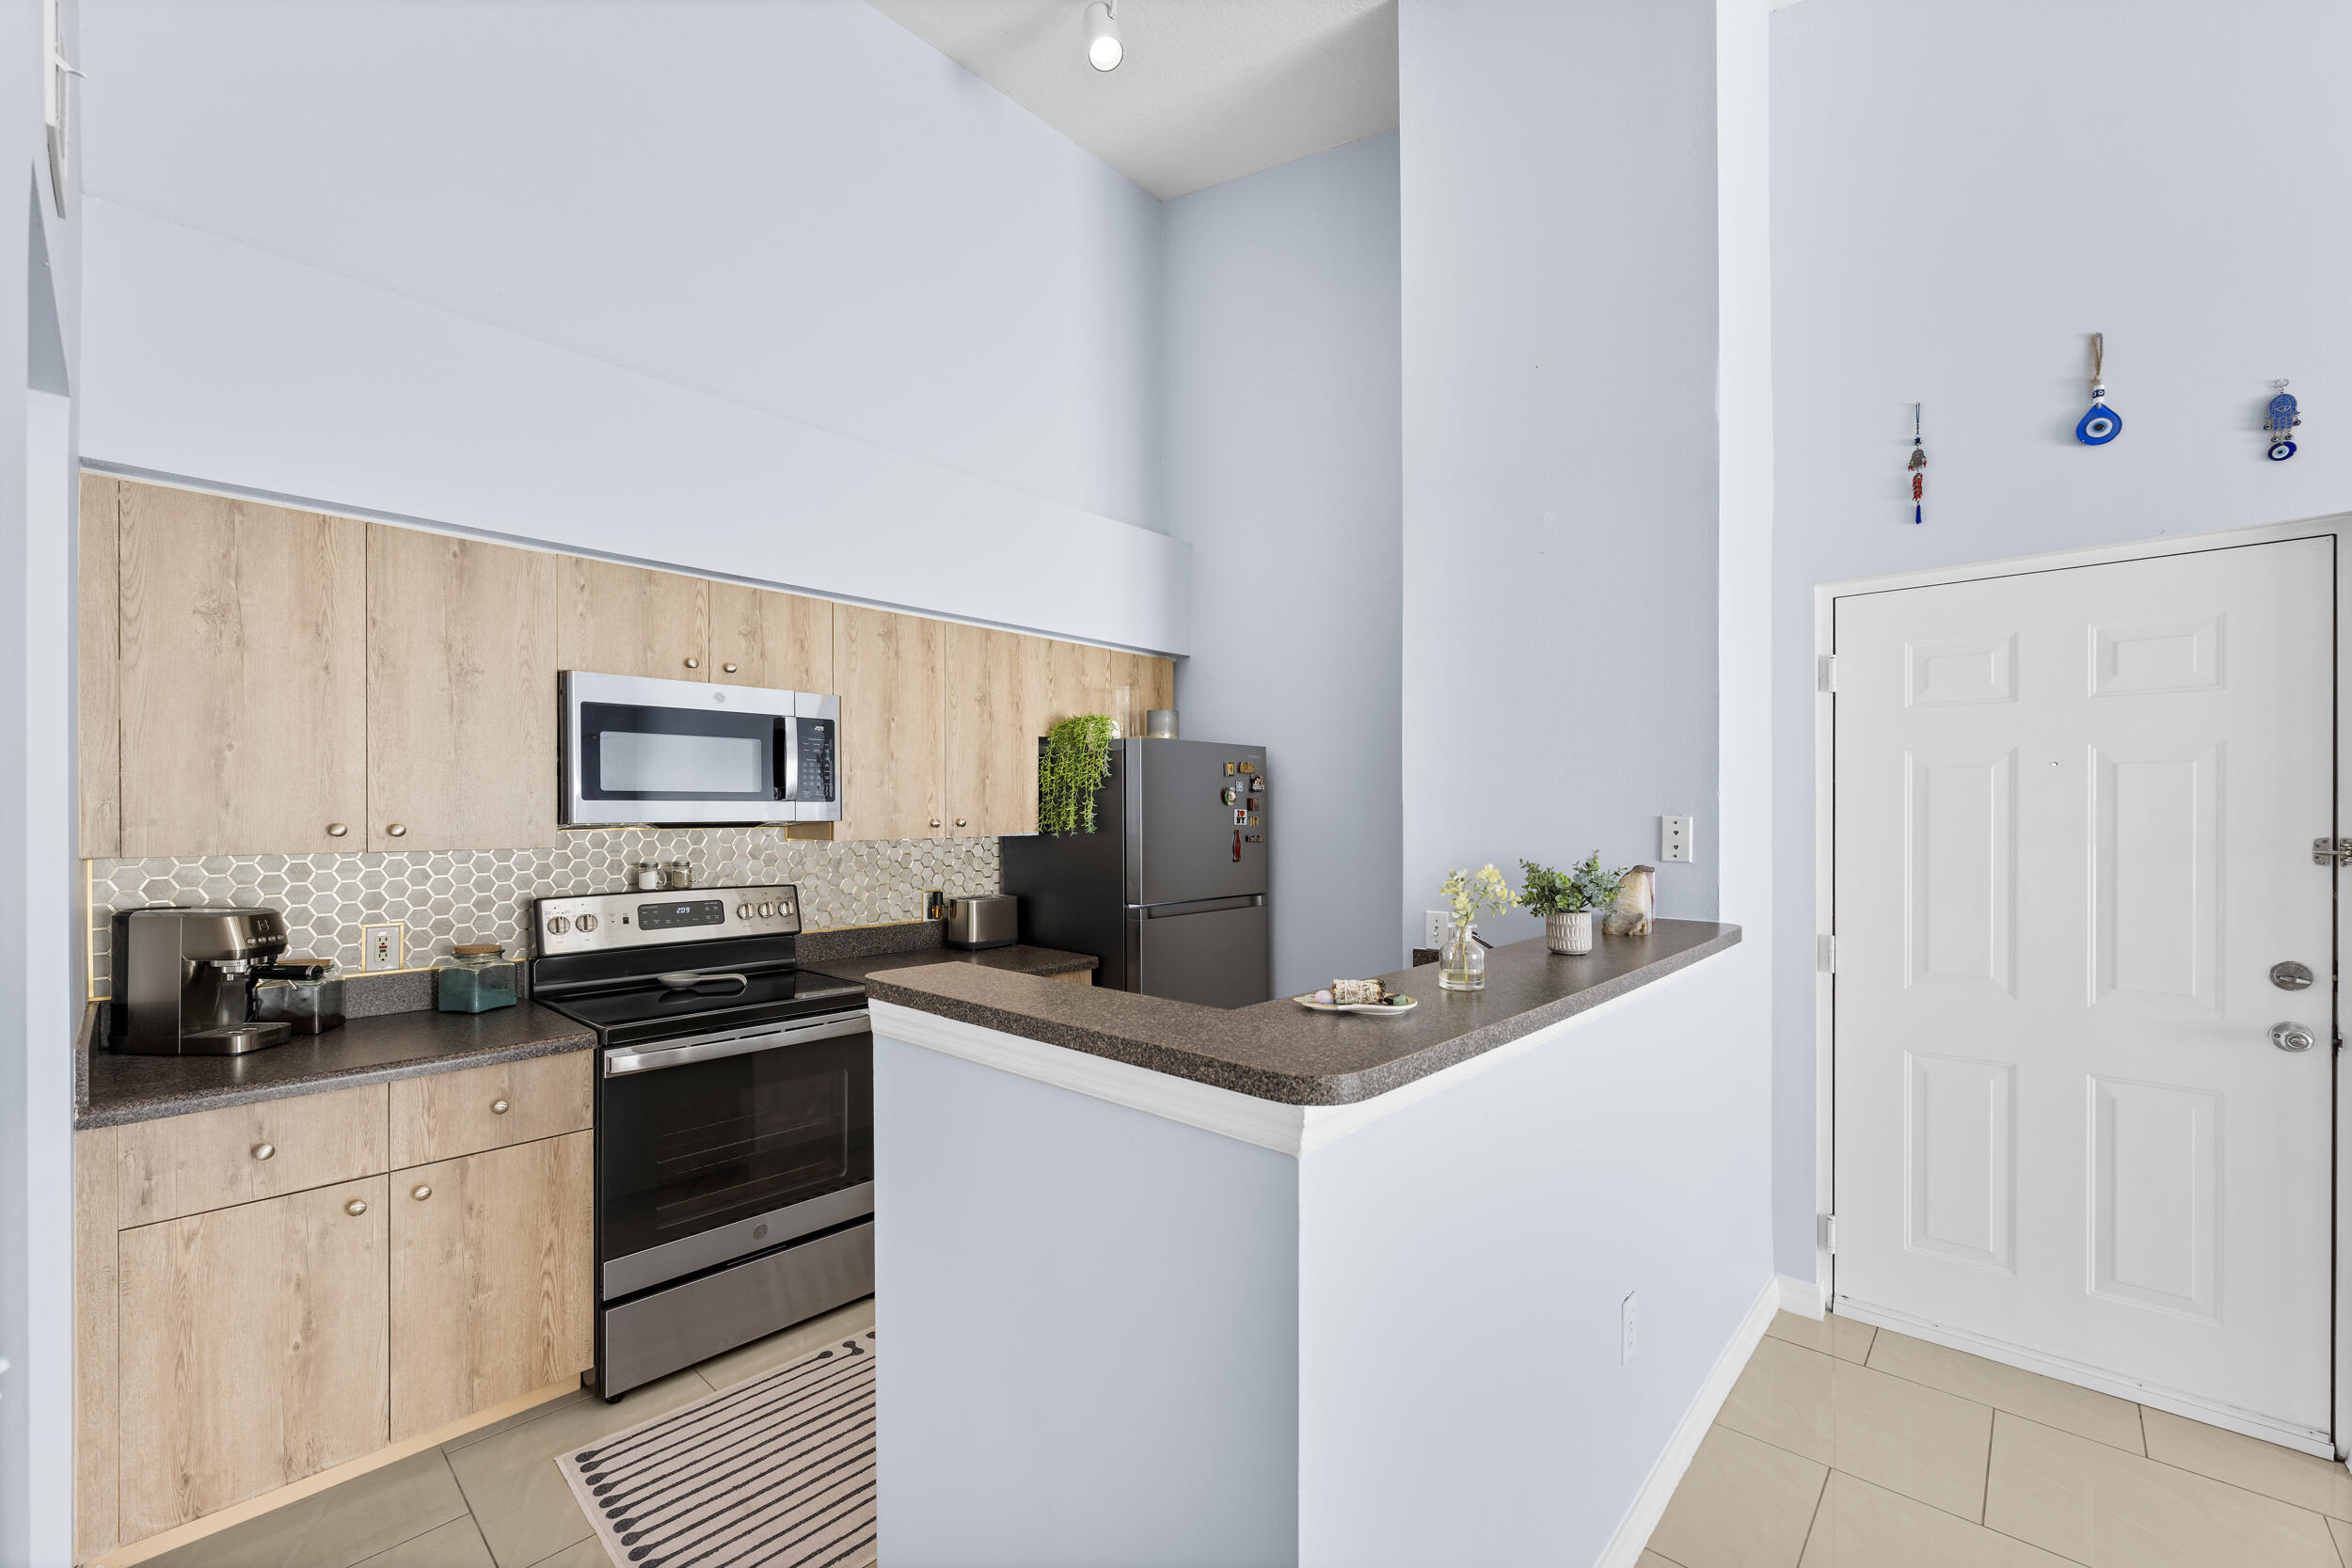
1632, 1301
1677, 839
381, 947
1435, 923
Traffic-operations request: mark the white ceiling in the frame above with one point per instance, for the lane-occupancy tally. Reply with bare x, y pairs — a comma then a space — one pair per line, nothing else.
1209, 89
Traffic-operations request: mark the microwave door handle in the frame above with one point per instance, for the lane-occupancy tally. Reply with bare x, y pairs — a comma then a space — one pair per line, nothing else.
789, 737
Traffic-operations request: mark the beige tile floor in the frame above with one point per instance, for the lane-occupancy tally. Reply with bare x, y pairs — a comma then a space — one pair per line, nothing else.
1848, 1446
493, 1498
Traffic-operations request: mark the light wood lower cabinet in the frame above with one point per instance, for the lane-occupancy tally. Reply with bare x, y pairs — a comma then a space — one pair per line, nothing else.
492, 1278
252, 1347
177, 1165
444, 1114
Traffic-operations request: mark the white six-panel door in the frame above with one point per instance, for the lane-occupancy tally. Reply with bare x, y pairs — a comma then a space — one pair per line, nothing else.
2074, 812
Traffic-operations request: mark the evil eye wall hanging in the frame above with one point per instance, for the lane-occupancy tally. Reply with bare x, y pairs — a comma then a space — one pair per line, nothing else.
2099, 425
1918, 463
2280, 424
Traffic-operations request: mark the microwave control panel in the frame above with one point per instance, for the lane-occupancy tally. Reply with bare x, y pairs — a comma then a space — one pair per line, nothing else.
818, 760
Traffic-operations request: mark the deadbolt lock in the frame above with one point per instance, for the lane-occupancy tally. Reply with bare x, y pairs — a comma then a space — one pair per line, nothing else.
2291, 976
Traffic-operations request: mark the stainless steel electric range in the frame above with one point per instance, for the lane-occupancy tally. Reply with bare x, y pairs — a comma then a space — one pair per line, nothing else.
734, 1120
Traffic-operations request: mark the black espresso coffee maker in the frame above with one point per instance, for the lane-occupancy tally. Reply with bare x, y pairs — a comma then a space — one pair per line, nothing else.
183, 981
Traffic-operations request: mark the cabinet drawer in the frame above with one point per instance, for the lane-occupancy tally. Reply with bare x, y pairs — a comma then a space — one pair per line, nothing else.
178, 1165
450, 1114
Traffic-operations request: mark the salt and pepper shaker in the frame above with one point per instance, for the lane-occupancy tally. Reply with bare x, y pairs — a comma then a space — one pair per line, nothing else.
645, 876
681, 874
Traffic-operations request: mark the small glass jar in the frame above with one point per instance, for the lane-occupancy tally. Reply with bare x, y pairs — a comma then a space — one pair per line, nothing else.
646, 876
477, 978
1464, 965
680, 875
304, 992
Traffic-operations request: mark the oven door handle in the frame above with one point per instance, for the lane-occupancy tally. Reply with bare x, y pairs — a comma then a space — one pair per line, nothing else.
617, 1063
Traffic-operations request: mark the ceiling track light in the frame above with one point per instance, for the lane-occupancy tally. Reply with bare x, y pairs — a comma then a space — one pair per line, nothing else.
1103, 50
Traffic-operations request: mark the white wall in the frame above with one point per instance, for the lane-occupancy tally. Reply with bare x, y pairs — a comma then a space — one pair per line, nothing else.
1280, 465
772, 291
38, 999
1960, 195
1560, 306
1087, 1328
1463, 1263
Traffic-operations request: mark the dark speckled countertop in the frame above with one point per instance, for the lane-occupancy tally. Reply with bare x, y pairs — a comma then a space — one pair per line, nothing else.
1018, 958
364, 1051
1279, 1050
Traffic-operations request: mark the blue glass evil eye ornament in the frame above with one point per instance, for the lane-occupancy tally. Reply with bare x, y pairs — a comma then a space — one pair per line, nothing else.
2099, 425
2280, 424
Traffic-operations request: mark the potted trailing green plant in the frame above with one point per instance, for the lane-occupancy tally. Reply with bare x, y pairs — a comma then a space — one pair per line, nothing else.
1566, 901
1463, 967
1071, 766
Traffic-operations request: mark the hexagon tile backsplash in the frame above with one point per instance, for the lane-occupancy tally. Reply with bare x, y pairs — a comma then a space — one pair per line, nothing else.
484, 894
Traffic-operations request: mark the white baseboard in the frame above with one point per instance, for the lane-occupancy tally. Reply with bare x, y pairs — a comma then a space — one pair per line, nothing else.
1658, 1488
1802, 1296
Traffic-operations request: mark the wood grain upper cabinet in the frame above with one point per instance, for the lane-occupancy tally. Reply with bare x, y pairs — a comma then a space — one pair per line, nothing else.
890, 671
242, 638
252, 1346
759, 637
998, 693
628, 621
461, 693
492, 1278
99, 674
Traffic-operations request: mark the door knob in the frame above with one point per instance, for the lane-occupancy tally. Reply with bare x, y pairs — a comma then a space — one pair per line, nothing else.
2292, 1037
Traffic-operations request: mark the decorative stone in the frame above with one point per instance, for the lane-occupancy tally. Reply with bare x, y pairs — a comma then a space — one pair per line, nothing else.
1634, 911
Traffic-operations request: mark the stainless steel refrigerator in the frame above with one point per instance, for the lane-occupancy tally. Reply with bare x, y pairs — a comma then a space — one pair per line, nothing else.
1169, 889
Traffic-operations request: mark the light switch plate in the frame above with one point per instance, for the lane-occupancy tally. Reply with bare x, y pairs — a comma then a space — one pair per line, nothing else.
382, 947
1677, 839
1434, 925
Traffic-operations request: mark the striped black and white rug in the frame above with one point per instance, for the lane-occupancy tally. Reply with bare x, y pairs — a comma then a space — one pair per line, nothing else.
776, 1471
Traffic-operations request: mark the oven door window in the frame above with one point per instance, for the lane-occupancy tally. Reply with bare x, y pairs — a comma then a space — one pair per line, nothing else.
629, 752
690, 1149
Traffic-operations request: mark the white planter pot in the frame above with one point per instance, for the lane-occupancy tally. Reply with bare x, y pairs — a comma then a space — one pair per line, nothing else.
1571, 932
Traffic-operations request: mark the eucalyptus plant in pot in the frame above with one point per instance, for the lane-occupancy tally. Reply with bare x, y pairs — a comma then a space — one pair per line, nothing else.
1566, 901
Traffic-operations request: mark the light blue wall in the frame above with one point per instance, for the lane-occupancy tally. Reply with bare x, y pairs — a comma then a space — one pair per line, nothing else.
772, 291
1086, 1329
1560, 436
39, 345
1280, 463
1960, 196
1463, 1264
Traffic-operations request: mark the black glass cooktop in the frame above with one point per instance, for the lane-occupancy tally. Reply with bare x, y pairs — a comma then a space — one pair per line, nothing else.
630, 1014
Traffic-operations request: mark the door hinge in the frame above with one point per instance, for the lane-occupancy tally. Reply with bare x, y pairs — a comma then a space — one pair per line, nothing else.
1829, 1233
1825, 955
1826, 678
2332, 851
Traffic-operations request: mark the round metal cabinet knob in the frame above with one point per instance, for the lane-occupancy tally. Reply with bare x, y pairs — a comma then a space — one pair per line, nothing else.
422, 1192
2292, 1037
934, 821
728, 668
395, 830
498, 1107
693, 664
958, 821
337, 829
264, 1152
356, 1206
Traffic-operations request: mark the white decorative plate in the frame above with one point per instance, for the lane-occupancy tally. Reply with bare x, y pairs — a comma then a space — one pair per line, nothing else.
1404, 1004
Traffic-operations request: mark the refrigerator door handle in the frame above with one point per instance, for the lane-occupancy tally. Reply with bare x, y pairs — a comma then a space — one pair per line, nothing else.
1198, 906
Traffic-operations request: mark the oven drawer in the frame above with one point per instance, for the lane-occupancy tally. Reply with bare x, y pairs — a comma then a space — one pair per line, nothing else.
658, 1334
449, 1114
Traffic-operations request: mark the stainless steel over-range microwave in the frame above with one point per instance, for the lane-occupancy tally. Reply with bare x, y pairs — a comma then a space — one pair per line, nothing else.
636, 749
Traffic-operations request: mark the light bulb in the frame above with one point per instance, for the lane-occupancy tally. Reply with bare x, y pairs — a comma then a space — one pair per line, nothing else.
1103, 50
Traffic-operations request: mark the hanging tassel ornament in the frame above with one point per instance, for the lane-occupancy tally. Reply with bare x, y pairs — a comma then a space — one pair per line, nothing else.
2100, 424
1918, 479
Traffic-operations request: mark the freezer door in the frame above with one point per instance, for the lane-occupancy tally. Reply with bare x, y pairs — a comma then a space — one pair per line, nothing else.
1184, 844
1219, 956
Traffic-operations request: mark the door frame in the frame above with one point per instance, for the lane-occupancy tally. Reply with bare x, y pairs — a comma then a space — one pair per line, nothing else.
2337, 526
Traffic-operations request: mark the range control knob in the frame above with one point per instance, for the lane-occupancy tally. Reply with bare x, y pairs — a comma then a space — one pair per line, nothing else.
766, 910
558, 925
587, 922
743, 912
